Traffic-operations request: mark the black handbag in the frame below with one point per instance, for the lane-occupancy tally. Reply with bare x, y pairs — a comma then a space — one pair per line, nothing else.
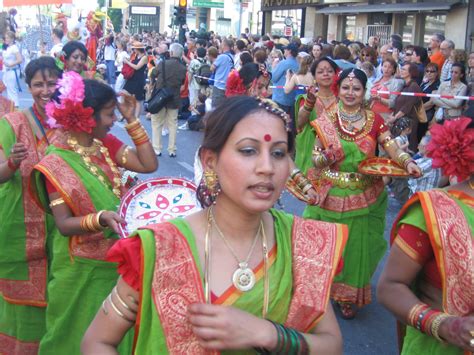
159, 97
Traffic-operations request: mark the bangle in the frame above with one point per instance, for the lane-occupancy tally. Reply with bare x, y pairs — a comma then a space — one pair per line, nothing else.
56, 202
97, 220
289, 341
295, 172
436, 324
414, 313
11, 165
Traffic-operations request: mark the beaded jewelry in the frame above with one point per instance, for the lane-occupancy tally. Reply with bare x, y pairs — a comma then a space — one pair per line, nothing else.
273, 108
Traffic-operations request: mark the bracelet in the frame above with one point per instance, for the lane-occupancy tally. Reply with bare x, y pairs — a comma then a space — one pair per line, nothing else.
414, 312
90, 223
436, 324
97, 219
387, 142
56, 202
294, 172
11, 165
289, 341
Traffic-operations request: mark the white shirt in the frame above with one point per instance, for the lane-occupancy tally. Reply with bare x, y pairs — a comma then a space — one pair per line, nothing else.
121, 55
109, 53
9, 56
57, 48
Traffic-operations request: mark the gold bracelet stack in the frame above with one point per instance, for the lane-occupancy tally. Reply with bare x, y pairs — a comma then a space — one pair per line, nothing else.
301, 181
91, 222
137, 133
404, 159
56, 202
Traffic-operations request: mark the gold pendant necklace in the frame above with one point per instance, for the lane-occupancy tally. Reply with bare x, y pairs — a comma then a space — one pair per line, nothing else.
207, 265
243, 277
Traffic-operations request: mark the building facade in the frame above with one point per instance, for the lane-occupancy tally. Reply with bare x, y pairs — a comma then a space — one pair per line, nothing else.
356, 20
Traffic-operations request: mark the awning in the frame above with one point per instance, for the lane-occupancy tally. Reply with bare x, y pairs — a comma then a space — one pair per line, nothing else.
388, 8
13, 3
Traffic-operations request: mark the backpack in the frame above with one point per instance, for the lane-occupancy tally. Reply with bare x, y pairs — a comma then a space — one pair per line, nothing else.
203, 74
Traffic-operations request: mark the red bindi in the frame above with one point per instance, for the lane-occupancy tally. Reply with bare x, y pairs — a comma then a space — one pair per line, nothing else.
267, 137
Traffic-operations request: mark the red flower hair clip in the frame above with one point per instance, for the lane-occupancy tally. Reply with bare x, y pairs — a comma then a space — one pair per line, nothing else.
452, 148
69, 112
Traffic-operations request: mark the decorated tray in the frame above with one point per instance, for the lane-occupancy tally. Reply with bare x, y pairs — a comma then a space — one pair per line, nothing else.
382, 167
157, 200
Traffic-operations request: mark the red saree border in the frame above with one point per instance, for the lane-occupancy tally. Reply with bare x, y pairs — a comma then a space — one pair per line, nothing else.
453, 247
328, 135
317, 249
31, 292
16, 346
72, 190
176, 284
449, 234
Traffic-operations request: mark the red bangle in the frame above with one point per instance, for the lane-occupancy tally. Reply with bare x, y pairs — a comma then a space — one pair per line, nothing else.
12, 165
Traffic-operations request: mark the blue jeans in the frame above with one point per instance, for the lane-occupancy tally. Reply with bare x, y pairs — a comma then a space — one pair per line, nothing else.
110, 71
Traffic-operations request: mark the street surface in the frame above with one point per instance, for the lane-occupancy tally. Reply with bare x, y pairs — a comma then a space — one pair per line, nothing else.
373, 331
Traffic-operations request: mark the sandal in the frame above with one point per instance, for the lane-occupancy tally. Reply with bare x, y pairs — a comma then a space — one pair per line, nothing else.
347, 310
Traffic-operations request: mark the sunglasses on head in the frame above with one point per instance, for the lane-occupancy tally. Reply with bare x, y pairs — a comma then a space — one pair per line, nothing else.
430, 71
408, 53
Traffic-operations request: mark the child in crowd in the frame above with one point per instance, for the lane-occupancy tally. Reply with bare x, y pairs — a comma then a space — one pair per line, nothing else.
400, 130
432, 177
195, 121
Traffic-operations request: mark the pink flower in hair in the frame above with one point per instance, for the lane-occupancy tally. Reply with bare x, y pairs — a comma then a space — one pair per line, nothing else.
71, 87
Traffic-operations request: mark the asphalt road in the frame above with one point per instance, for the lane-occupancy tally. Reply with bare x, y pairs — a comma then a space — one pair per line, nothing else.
373, 331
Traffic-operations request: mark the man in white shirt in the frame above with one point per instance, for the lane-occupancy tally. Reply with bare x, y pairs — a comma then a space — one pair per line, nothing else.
57, 37
446, 47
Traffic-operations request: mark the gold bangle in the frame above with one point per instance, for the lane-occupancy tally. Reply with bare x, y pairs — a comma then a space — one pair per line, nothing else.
307, 188
436, 324
132, 124
97, 223
56, 202
295, 172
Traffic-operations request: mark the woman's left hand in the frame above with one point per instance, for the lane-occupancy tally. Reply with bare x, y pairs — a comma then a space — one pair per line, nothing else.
313, 197
413, 169
222, 327
126, 105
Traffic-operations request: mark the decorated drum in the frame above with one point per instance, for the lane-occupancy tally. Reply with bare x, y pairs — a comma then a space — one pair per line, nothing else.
157, 200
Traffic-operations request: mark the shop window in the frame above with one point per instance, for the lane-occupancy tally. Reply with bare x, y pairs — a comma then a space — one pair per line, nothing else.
433, 24
278, 21
350, 28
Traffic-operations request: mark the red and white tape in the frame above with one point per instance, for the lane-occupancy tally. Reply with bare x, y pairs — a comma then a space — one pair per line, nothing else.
422, 94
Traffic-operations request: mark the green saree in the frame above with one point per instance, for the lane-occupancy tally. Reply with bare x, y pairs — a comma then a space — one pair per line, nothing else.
23, 260
361, 209
80, 277
172, 277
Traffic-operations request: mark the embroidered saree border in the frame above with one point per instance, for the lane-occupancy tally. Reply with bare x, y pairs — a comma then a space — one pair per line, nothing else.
317, 249
176, 284
449, 235
75, 194
346, 293
30, 292
453, 247
20, 347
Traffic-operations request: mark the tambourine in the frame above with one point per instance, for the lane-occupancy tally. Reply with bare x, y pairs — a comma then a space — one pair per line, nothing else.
382, 167
157, 200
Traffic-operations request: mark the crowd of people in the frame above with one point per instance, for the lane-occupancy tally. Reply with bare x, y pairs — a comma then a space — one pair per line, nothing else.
239, 275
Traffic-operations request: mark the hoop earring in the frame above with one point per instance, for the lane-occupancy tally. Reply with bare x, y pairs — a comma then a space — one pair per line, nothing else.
209, 188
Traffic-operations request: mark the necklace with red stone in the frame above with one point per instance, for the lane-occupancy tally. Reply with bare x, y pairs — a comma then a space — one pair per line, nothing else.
346, 121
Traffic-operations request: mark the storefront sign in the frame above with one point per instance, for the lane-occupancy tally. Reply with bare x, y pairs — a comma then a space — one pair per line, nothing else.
209, 3
143, 10
288, 32
299, 4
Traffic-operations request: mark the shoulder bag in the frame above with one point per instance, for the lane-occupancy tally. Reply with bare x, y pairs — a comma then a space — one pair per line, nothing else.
159, 97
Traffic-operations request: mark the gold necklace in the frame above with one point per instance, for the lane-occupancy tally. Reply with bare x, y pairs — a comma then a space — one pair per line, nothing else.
87, 152
243, 277
207, 266
324, 97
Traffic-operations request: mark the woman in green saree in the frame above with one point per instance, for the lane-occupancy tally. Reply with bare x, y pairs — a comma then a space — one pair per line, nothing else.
78, 181
209, 282
346, 136
24, 137
428, 280
309, 106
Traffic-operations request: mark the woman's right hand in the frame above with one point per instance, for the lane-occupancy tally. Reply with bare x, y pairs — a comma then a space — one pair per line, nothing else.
111, 220
313, 197
18, 153
311, 93
457, 331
